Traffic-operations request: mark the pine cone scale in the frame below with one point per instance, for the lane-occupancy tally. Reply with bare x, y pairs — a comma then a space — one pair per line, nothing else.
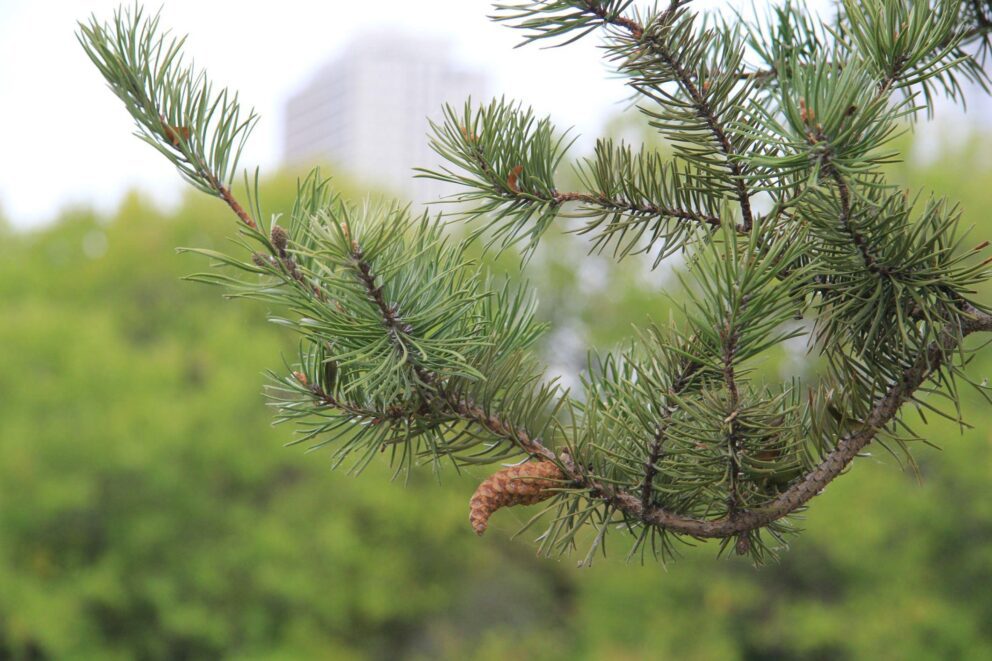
526, 484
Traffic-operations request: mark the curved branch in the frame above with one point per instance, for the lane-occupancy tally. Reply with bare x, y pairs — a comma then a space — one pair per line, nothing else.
882, 413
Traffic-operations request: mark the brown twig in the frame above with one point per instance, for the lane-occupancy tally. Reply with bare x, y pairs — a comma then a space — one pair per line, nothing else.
228, 197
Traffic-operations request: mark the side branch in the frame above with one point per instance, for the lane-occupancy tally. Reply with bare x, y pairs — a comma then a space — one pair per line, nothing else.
707, 113
845, 220
698, 99
630, 207
390, 318
730, 337
501, 428
510, 190
689, 368
388, 312
372, 416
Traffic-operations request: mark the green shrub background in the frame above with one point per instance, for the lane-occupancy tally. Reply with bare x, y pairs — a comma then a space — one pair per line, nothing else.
149, 510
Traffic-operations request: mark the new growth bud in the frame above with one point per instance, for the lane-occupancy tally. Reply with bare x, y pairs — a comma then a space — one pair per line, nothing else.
280, 239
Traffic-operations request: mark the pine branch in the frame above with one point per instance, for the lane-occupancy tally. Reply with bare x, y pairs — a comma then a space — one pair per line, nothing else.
503, 429
507, 161
408, 348
730, 337
357, 412
595, 202
174, 106
389, 313
639, 45
285, 263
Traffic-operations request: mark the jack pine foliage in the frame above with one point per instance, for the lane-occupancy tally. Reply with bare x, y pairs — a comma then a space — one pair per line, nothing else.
773, 196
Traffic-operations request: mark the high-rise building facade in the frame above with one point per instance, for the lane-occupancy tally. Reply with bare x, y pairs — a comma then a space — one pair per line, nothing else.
367, 111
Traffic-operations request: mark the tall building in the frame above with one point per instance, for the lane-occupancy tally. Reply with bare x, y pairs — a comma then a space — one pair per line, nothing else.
367, 111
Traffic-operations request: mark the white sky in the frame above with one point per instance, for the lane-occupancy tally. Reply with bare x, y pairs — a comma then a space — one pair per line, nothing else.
66, 139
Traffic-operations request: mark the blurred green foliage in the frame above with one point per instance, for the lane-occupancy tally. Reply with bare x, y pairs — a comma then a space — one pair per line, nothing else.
148, 510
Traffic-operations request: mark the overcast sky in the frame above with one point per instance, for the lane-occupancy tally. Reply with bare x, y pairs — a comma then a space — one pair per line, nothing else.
66, 138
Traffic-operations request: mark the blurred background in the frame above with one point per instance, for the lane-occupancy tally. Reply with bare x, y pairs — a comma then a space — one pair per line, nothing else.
147, 508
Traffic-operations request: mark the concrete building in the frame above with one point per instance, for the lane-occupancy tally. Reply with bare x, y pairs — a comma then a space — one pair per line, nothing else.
367, 111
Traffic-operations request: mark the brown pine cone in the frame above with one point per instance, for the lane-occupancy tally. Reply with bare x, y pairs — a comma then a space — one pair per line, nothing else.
525, 484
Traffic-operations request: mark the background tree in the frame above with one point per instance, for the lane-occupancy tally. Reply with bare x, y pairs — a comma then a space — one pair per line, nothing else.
774, 196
